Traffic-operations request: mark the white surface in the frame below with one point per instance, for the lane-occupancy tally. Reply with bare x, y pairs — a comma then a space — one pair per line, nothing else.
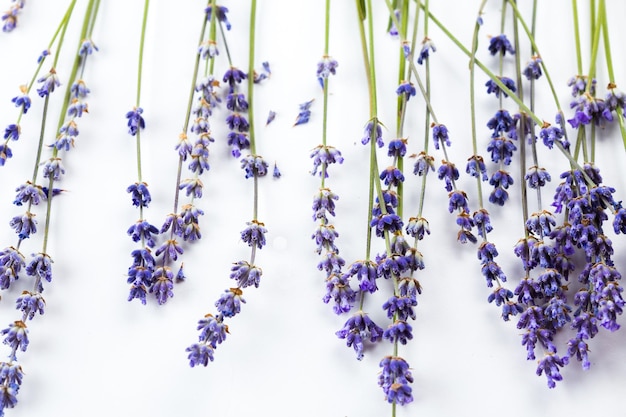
94, 353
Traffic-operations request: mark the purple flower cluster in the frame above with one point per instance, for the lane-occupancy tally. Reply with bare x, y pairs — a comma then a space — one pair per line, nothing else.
9, 19
237, 105
500, 45
30, 304
427, 47
304, 113
326, 67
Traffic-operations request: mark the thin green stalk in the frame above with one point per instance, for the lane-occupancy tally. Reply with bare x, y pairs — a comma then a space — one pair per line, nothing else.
42, 131
141, 48
91, 11
472, 68
486, 70
609, 65
192, 89
66, 101
366, 63
402, 101
535, 48
63, 28
325, 88
327, 27
594, 52
579, 59
522, 124
250, 76
607, 42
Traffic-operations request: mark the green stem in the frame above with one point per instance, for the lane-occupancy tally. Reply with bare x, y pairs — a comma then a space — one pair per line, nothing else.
594, 52
63, 28
486, 70
472, 84
192, 89
325, 89
522, 123
366, 63
327, 27
141, 48
251, 77
579, 61
535, 48
607, 42
42, 131
89, 15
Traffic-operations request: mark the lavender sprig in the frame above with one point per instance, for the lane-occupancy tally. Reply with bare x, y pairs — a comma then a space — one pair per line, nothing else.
143, 276
212, 328
10, 17
12, 262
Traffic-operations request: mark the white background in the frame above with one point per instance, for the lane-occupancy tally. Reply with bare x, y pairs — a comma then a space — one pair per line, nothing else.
94, 353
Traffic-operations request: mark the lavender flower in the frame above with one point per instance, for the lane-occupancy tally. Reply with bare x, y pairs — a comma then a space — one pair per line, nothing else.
5, 153
270, 117
440, 135
30, 304
331, 263
533, 69
199, 354
427, 47
254, 166
400, 307
163, 283
53, 168
394, 379
358, 329
40, 267
550, 365
406, 89
234, 76
24, 225
48, 83
276, 172
170, 249
305, 113
502, 123
22, 100
476, 167
500, 45
325, 67
212, 331
246, 274
417, 226
188, 222
371, 134
10, 22
323, 156
16, 336
10, 379
338, 289
423, 164
220, 15
399, 331
142, 230
448, 172
493, 87
87, 48
11, 263
139, 194
208, 49
136, 121
366, 272
12, 131
229, 303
